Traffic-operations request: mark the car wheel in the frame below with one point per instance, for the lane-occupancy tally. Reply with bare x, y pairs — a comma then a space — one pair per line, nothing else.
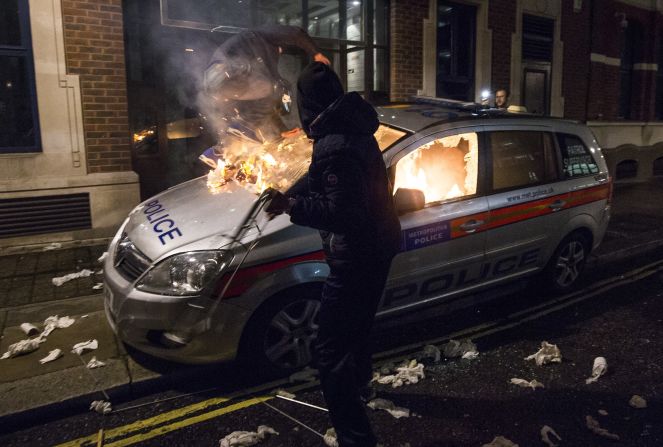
279, 338
567, 263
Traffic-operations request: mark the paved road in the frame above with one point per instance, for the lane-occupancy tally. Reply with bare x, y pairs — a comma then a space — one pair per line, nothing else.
617, 315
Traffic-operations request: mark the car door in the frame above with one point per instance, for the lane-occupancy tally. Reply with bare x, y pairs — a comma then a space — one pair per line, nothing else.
526, 196
442, 241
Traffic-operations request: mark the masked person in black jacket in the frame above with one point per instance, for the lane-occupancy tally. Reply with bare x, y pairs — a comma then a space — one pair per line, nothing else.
349, 200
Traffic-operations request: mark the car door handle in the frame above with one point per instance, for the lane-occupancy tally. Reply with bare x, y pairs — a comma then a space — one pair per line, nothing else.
557, 205
471, 225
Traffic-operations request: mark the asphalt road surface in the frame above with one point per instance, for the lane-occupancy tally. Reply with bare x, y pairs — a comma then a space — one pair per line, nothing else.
617, 313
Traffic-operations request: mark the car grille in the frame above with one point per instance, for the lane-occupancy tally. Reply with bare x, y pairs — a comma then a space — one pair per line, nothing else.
129, 261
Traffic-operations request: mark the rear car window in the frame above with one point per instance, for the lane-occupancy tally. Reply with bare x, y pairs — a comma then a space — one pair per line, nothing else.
576, 157
522, 158
444, 169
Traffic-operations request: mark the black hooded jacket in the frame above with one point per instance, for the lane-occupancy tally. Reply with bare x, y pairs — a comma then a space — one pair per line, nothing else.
349, 197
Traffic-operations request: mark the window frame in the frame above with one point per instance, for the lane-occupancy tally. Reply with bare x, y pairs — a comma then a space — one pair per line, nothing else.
24, 51
558, 142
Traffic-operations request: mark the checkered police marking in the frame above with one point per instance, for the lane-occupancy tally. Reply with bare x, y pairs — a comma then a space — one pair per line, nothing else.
426, 235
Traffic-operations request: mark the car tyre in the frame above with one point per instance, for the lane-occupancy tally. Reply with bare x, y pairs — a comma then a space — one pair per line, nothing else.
567, 263
278, 339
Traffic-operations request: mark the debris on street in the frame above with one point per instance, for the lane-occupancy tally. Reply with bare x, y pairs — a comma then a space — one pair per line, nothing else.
103, 257
408, 373
305, 375
94, 363
29, 329
602, 412
101, 406
546, 431
59, 280
470, 355
98, 286
22, 347
52, 355
455, 348
52, 246
247, 438
284, 393
600, 367
534, 384
431, 352
500, 441
637, 402
330, 438
83, 346
547, 354
53, 322
595, 427
389, 407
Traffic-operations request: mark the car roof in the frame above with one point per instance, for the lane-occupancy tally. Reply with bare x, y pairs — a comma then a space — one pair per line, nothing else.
423, 112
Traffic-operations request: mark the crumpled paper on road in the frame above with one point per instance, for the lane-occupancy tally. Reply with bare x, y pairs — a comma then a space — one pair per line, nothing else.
52, 246
83, 346
637, 402
500, 441
534, 384
431, 352
22, 347
59, 280
52, 355
330, 438
29, 329
53, 322
547, 354
406, 374
546, 431
389, 407
103, 257
94, 363
284, 393
247, 438
600, 367
101, 406
595, 427
464, 348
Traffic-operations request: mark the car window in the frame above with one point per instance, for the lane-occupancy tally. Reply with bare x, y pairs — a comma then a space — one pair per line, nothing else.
522, 158
445, 168
386, 136
576, 158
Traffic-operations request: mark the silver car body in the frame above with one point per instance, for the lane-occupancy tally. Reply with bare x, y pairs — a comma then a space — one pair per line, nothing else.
450, 248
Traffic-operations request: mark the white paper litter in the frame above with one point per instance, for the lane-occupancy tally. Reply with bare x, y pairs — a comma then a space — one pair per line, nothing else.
534, 384
305, 375
455, 348
52, 246
94, 363
247, 438
409, 373
58, 281
470, 355
595, 427
101, 406
52, 355
29, 329
431, 352
637, 402
500, 441
546, 431
330, 438
103, 257
602, 412
390, 407
284, 393
53, 322
83, 346
547, 354
98, 286
599, 368
22, 347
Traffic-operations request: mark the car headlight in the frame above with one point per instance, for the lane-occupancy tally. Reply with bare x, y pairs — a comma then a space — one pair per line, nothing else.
186, 273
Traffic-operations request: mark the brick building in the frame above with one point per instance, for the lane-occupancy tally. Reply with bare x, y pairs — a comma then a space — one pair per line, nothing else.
109, 86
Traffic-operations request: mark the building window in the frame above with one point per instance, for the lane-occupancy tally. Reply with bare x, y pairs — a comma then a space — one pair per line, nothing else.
630, 38
537, 55
456, 30
19, 125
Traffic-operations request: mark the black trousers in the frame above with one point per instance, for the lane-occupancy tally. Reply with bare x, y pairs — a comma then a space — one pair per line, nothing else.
350, 298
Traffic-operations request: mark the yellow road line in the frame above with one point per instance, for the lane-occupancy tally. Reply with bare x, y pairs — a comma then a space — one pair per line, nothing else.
187, 422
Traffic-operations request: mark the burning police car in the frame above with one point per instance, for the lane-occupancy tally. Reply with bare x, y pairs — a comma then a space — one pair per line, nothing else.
484, 197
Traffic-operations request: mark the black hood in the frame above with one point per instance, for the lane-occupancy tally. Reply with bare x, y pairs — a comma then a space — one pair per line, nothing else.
317, 87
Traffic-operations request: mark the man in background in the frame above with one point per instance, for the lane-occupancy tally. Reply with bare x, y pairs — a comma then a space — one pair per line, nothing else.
502, 98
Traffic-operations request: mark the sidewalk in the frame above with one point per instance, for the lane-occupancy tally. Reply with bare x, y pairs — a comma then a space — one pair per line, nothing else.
28, 295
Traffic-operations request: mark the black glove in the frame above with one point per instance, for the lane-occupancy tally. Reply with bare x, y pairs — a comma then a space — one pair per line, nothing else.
278, 205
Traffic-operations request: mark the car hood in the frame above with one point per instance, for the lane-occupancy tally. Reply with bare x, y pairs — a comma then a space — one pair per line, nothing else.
189, 217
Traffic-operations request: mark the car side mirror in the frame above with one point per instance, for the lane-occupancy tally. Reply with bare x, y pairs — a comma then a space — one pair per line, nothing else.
407, 200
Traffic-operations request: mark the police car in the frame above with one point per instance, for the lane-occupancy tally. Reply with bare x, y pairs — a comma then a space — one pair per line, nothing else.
484, 197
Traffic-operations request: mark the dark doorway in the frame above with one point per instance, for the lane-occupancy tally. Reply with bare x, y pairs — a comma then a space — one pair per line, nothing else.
537, 56
456, 31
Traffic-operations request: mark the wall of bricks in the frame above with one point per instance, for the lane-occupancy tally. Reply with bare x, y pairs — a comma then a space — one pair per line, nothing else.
502, 21
94, 47
406, 47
